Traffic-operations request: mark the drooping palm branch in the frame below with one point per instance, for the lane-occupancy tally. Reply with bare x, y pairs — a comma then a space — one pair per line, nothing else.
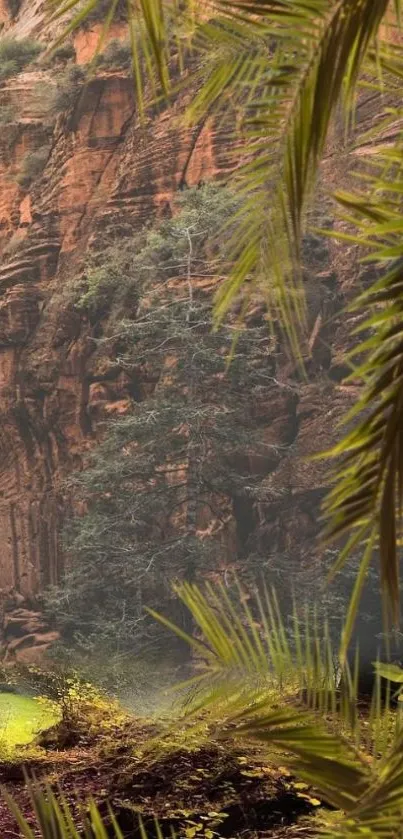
248, 654
245, 644
54, 817
366, 501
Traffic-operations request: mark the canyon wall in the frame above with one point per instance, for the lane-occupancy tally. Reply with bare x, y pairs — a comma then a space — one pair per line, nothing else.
104, 168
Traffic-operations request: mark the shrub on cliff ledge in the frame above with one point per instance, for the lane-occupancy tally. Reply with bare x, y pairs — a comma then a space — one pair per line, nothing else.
14, 7
117, 54
101, 8
32, 166
66, 52
9, 129
114, 278
69, 86
15, 55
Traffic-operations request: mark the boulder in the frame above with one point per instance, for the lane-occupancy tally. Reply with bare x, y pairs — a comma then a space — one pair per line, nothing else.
20, 643
22, 623
33, 640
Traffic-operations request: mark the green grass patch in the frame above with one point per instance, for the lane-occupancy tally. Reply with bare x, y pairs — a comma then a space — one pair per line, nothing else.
22, 718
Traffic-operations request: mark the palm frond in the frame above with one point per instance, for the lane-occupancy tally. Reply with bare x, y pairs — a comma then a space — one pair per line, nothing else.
54, 818
368, 492
320, 48
249, 657
368, 789
157, 28
251, 639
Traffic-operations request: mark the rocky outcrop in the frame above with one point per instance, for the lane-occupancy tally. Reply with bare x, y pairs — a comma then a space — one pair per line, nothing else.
106, 169
25, 634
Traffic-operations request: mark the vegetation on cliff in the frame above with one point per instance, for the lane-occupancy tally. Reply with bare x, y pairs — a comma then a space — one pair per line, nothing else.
176, 472
177, 487
15, 55
321, 52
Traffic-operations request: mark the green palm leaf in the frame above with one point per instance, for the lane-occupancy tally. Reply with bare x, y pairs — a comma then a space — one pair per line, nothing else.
368, 492
367, 789
248, 659
320, 50
55, 820
154, 27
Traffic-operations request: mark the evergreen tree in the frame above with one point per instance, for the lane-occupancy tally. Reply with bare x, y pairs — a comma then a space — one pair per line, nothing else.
172, 489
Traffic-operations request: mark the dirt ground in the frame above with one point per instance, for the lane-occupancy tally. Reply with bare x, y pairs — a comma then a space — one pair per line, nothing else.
215, 790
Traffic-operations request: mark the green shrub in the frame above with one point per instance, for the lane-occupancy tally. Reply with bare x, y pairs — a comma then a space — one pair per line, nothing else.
65, 52
85, 713
102, 7
32, 166
8, 69
15, 55
113, 278
7, 114
69, 86
112, 284
9, 127
14, 7
117, 54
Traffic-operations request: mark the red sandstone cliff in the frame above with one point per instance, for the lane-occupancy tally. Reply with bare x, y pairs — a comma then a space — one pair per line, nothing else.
103, 169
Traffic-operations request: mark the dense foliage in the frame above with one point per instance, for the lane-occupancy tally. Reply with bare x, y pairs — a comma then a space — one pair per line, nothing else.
177, 477
174, 490
15, 55
284, 99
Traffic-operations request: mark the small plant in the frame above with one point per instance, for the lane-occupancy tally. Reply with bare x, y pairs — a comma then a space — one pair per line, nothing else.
9, 127
14, 7
85, 713
65, 52
7, 114
102, 7
54, 817
68, 88
15, 55
117, 54
115, 276
32, 166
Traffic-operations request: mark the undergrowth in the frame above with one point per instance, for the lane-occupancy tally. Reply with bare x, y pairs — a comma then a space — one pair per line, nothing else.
16, 55
211, 767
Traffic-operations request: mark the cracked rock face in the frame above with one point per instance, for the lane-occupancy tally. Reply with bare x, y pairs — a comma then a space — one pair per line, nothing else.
105, 168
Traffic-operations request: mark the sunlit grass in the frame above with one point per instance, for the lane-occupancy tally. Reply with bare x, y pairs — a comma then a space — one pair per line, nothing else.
22, 718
